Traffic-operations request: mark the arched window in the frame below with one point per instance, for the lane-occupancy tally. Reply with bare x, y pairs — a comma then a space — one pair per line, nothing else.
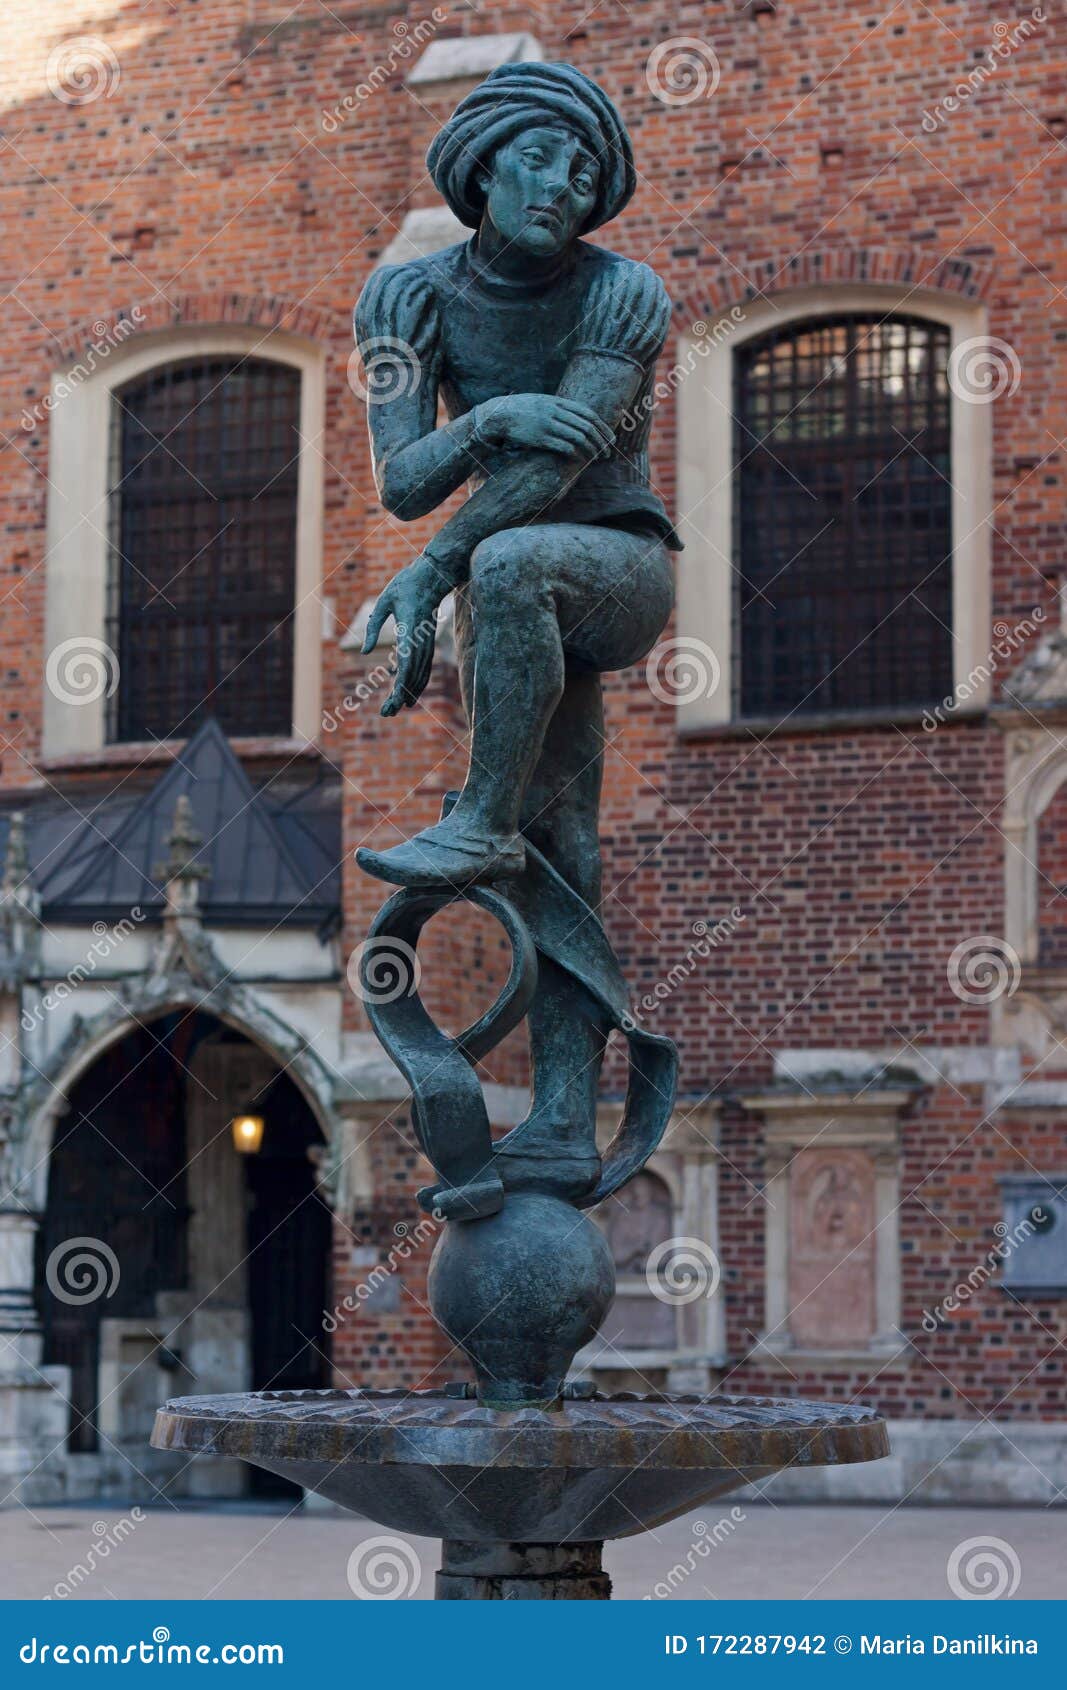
842, 517
202, 582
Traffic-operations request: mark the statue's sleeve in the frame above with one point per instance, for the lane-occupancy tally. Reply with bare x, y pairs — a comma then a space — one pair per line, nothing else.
397, 328
398, 332
626, 314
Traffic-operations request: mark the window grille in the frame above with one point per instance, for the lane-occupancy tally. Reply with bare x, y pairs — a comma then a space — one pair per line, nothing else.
843, 568
203, 564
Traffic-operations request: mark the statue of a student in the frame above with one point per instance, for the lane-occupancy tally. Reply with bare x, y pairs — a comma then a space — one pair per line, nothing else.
542, 347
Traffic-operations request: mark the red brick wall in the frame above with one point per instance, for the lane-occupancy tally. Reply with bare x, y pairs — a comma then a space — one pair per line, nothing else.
206, 188
381, 1332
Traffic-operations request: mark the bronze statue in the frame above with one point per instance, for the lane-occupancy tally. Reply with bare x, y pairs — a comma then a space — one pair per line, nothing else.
542, 347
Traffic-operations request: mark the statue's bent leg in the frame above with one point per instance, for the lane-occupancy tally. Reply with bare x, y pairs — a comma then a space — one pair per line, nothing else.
545, 600
541, 598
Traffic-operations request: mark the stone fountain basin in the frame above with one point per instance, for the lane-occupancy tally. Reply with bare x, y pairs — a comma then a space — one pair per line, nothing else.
439, 1465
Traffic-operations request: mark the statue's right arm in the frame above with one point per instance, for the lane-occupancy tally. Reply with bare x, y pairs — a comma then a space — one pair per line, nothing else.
397, 329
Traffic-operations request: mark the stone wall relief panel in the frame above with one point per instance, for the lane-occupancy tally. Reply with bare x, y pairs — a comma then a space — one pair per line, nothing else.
666, 1328
832, 1249
638, 1221
832, 1231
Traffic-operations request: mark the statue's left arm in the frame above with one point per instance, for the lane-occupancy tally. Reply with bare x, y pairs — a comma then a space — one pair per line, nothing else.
623, 327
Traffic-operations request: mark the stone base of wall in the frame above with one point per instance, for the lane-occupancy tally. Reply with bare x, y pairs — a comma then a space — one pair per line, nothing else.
943, 1461
33, 1422
36, 1467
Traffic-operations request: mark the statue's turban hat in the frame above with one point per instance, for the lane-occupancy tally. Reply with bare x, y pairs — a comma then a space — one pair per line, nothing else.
512, 99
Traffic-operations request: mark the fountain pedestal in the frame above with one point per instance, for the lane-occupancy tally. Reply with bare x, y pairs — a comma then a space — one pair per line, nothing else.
521, 1572
524, 1498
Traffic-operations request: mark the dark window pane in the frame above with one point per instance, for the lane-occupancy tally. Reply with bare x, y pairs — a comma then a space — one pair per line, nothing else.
843, 525
203, 568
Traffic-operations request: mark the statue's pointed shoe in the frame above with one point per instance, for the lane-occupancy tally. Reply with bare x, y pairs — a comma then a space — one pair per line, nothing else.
446, 855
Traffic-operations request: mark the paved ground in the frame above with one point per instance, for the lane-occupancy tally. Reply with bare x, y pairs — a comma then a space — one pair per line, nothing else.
102, 1552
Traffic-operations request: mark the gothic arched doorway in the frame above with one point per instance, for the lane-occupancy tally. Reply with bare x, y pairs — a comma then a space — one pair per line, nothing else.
206, 1269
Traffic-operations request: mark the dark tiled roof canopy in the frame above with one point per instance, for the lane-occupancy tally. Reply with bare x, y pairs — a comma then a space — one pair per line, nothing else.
273, 852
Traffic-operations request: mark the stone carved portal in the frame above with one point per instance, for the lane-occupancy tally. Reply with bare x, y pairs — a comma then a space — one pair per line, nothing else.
1052, 882
832, 1248
213, 1265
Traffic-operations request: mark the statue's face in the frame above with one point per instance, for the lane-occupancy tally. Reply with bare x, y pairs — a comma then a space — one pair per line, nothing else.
540, 189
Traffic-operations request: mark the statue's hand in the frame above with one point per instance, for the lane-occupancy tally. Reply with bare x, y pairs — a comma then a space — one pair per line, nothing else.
543, 420
411, 599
